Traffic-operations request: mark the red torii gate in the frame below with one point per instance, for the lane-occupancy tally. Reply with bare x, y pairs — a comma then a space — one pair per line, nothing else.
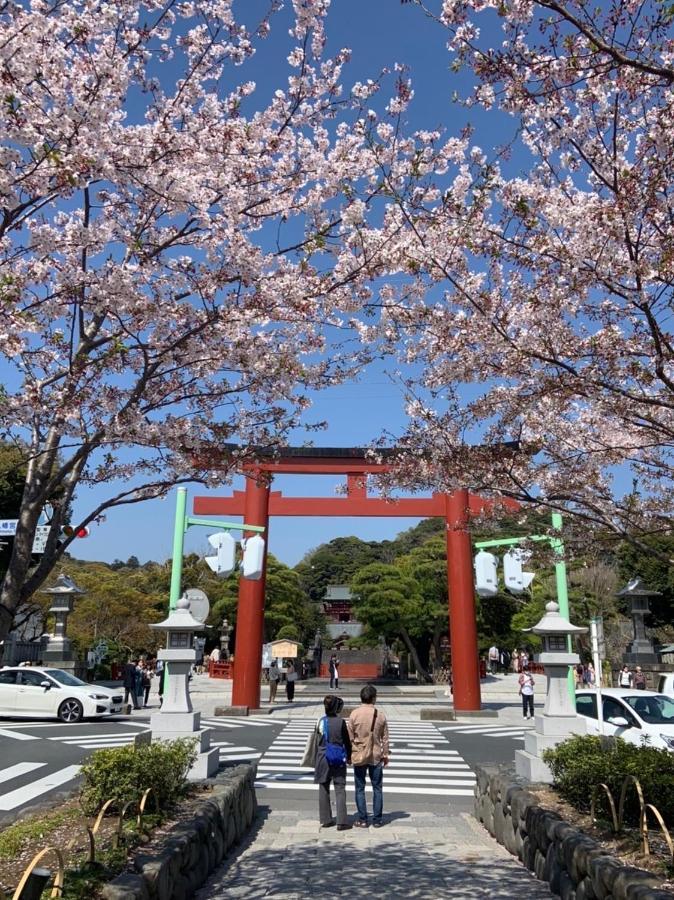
258, 502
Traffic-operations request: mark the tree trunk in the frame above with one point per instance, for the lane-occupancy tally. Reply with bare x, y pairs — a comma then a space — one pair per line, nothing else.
422, 674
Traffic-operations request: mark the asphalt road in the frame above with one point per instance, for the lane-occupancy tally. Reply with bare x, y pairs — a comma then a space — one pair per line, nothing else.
431, 763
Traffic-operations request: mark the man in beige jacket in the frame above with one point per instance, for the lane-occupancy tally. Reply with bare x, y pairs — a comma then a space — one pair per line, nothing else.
368, 730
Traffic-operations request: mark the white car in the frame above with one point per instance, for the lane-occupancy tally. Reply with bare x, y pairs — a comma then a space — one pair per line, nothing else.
42, 693
638, 717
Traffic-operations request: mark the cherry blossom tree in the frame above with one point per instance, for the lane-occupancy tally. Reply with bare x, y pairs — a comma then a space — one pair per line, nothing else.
178, 263
543, 311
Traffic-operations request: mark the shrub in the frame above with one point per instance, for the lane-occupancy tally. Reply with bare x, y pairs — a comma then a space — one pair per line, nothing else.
125, 773
581, 762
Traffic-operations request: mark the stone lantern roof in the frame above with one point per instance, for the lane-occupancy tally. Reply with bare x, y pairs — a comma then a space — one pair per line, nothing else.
63, 586
554, 623
180, 619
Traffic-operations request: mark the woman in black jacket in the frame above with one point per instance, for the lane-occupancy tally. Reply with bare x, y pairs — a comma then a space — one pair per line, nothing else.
331, 730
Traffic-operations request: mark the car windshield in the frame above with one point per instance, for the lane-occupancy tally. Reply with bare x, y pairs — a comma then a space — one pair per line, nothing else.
658, 710
65, 678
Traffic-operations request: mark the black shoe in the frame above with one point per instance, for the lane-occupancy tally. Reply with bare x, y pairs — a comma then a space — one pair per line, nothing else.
377, 823
344, 827
329, 824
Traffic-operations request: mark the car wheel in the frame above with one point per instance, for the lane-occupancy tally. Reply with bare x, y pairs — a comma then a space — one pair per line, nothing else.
70, 711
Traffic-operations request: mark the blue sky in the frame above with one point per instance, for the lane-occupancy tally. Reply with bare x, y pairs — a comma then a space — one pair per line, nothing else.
379, 33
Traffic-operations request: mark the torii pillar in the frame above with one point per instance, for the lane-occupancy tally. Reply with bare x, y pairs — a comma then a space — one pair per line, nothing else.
250, 614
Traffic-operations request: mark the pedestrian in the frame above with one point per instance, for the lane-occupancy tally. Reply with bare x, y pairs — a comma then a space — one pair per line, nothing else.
524, 660
504, 660
139, 682
368, 730
146, 673
214, 655
515, 660
589, 675
625, 677
639, 680
333, 667
579, 673
274, 677
493, 659
291, 678
526, 683
161, 672
332, 755
129, 682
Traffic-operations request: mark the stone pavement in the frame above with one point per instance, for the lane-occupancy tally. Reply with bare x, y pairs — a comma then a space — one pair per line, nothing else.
499, 695
415, 855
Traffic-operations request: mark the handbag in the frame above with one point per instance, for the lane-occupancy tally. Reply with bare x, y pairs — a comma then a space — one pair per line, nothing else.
310, 750
362, 754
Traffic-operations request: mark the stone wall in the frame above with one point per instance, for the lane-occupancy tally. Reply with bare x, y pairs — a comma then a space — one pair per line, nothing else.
575, 866
191, 850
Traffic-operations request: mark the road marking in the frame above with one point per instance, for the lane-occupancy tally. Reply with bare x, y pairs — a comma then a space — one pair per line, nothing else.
17, 735
19, 769
23, 795
71, 738
434, 792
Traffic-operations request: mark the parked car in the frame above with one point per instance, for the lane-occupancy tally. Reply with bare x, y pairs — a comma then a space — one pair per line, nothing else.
43, 693
639, 717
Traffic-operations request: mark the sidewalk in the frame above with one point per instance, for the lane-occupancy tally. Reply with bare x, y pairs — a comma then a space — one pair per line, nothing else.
417, 855
500, 694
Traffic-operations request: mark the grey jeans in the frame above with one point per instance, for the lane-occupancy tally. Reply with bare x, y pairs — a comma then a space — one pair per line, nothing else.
324, 806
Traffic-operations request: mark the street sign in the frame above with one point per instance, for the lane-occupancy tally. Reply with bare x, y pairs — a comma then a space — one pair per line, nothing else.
40, 539
8, 527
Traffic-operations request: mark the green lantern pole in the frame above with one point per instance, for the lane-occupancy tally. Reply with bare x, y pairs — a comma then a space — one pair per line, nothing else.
178, 544
561, 582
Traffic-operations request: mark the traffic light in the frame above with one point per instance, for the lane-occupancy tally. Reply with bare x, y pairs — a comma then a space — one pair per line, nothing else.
516, 581
486, 576
224, 562
69, 531
253, 557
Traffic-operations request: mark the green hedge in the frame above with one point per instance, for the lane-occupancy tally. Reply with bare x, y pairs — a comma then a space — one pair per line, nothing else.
125, 773
581, 762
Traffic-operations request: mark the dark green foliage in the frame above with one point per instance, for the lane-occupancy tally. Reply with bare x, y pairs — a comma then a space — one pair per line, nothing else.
125, 773
581, 762
336, 563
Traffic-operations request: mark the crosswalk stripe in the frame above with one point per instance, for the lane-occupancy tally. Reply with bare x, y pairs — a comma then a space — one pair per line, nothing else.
239, 757
434, 792
19, 769
30, 791
17, 735
69, 738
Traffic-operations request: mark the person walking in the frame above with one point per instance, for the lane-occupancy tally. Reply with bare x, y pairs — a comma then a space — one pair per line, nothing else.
493, 659
370, 754
274, 678
625, 677
639, 680
291, 678
333, 667
332, 755
146, 677
527, 682
129, 682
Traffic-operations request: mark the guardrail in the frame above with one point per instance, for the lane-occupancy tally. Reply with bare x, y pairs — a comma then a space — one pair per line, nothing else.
617, 818
34, 881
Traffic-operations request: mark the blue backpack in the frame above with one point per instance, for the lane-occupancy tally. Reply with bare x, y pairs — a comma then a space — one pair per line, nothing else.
335, 754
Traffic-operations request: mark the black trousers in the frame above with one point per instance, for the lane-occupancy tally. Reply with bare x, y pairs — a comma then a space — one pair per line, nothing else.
290, 690
527, 704
134, 697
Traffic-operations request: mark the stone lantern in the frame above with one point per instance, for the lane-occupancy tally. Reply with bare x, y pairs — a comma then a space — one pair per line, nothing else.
58, 650
558, 720
641, 650
176, 717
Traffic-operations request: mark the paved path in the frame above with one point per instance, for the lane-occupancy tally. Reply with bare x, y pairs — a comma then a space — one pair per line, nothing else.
418, 855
